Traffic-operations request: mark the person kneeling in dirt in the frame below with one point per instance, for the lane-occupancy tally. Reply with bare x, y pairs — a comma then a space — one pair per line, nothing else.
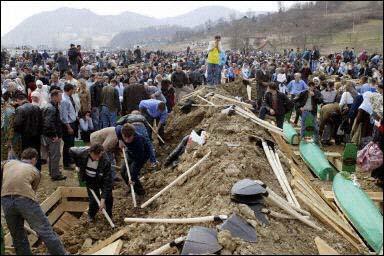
275, 104
141, 127
19, 182
95, 171
137, 152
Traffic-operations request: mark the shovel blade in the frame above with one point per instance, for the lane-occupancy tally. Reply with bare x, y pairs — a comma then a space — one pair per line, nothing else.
239, 227
201, 240
247, 187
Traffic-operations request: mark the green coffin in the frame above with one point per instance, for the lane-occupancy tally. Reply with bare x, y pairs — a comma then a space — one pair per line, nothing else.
360, 210
79, 143
290, 134
316, 160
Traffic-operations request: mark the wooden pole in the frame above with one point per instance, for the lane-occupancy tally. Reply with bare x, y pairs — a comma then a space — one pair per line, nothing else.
103, 210
166, 247
274, 169
177, 220
292, 212
285, 180
130, 180
158, 136
175, 181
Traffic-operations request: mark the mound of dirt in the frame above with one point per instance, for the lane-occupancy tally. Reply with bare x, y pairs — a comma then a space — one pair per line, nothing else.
206, 191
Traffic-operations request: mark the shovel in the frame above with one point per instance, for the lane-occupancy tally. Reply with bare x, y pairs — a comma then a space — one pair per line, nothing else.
238, 227
175, 243
201, 240
130, 180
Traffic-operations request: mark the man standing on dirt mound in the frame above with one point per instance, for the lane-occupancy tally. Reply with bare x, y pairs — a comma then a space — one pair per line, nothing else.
213, 60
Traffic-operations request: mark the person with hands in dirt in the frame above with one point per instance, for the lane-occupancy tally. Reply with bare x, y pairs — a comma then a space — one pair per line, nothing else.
95, 171
137, 151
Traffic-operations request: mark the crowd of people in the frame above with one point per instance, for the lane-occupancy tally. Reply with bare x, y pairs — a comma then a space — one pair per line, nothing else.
48, 101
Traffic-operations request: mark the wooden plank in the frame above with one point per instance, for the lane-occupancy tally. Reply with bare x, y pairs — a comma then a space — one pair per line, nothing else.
323, 218
51, 200
75, 206
74, 192
324, 248
66, 222
112, 249
100, 245
327, 154
375, 196
55, 214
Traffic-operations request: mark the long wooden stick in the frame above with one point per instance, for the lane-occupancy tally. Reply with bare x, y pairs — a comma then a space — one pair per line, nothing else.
285, 180
290, 205
175, 181
274, 169
176, 220
166, 247
103, 210
158, 136
210, 103
292, 212
130, 180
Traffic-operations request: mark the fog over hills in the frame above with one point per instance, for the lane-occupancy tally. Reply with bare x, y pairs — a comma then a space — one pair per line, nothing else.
64, 25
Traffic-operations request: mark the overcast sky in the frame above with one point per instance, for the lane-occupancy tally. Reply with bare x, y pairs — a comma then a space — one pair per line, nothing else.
14, 12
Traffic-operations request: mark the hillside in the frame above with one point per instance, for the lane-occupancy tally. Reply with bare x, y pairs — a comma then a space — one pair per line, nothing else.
60, 27
331, 26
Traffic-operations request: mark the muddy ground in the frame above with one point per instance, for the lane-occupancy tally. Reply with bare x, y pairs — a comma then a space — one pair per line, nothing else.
204, 192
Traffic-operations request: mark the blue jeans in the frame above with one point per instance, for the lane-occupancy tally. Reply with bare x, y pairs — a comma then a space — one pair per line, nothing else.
107, 118
74, 68
95, 114
142, 130
213, 74
315, 132
18, 209
314, 64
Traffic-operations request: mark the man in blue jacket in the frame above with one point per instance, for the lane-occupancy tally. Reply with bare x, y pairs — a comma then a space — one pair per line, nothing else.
137, 151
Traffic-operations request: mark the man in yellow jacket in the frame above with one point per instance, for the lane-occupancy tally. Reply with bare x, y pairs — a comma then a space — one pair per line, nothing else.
213, 61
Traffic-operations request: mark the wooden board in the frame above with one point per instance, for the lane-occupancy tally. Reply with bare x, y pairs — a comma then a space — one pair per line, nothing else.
66, 222
100, 245
323, 218
112, 249
328, 154
75, 206
375, 196
55, 197
324, 248
74, 192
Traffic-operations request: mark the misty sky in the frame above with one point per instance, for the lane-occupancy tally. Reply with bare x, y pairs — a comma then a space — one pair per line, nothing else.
14, 12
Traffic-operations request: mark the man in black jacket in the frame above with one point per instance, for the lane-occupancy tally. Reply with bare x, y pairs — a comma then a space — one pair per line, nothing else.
307, 102
28, 121
262, 78
95, 170
73, 56
52, 134
180, 82
275, 104
95, 91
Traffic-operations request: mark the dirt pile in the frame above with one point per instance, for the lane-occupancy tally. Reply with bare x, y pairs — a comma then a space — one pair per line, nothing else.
206, 191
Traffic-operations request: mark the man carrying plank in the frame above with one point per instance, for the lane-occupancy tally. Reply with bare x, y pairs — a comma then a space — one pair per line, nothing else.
19, 182
95, 171
137, 151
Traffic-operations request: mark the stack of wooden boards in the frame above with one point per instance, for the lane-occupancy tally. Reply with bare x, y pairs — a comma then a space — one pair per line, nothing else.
57, 207
312, 197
